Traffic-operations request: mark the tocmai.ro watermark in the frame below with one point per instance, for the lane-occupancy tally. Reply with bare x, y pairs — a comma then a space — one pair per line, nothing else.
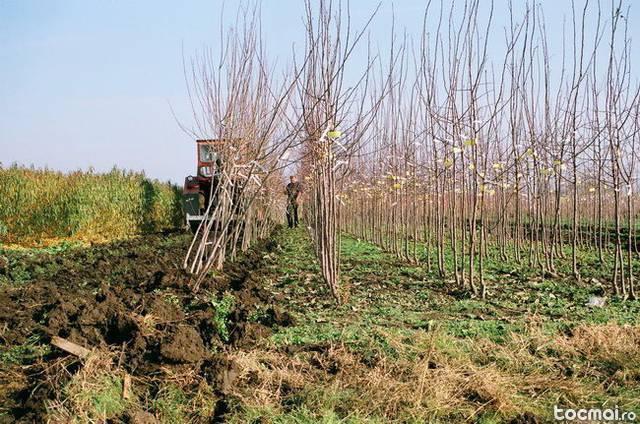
593, 414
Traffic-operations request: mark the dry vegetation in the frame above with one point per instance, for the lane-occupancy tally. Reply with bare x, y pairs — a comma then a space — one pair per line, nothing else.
433, 378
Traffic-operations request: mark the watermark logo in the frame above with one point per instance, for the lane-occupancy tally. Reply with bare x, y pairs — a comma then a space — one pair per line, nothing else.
614, 414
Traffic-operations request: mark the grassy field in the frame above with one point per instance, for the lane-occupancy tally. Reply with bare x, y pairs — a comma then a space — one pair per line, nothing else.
41, 206
403, 349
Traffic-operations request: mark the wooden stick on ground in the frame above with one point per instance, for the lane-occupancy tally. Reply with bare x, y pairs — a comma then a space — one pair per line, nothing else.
70, 347
126, 386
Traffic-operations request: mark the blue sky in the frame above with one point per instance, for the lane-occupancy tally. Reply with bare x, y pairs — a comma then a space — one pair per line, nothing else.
92, 83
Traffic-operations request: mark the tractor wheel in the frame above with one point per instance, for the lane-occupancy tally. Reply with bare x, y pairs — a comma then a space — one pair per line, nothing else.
193, 225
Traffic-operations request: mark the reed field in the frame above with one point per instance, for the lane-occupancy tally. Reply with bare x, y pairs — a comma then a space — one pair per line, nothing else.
41, 204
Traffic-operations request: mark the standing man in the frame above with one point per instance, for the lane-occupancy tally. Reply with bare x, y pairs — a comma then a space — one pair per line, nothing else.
293, 192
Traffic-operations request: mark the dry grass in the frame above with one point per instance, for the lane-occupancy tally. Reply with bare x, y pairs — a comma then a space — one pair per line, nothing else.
434, 377
440, 378
92, 395
146, 324
266, 376
613, 344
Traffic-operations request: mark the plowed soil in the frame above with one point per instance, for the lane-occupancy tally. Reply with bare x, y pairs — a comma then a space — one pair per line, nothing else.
131, 297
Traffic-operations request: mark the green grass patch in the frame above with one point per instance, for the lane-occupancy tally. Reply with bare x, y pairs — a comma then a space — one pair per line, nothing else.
25, 353
222, 309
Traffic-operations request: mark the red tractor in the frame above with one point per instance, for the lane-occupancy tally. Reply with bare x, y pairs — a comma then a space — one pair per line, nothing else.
198, 188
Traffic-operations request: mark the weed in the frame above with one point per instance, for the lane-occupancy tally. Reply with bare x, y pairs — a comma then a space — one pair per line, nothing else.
25, 353
259, 314
172, 299
222, 309
93, 394
171, 404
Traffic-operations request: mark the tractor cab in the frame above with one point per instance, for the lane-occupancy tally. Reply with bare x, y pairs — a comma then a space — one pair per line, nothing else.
208, 156
197, 188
